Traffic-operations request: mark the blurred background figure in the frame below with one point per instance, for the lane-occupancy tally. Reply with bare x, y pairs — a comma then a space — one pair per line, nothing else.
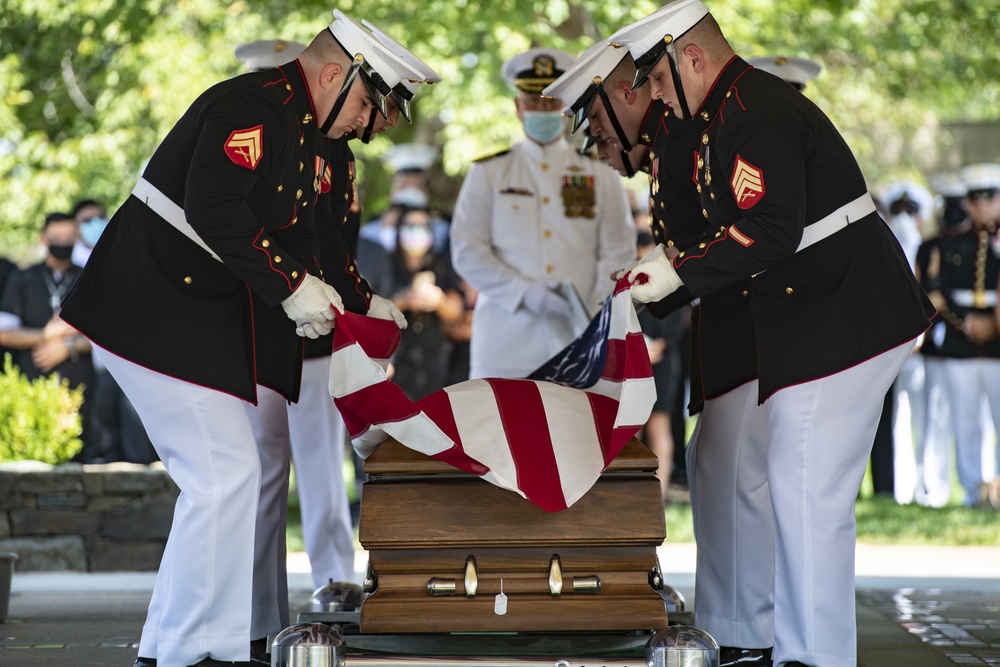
909, 211
30, 325
532, 220
796, 72
91, 219
963, 270
421, 281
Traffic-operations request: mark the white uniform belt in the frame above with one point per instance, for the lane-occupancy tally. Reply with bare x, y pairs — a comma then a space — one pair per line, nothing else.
966, 298
833, 223
164, 207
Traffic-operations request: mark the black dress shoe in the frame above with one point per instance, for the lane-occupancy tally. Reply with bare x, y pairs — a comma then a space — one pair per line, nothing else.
145, 662
258, 652
733, 656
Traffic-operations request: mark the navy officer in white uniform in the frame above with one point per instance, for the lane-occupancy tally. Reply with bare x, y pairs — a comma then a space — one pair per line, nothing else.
529, 218
835, 310
202, 287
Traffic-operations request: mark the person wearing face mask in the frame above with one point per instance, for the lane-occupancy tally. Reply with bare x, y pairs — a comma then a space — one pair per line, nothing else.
29, 318
531, 218
202, 288
92, 219
424, 286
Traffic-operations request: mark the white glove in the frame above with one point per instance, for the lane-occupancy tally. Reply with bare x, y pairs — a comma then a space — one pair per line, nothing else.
384, 309
313, 306
658, 251
661, 280
542, 300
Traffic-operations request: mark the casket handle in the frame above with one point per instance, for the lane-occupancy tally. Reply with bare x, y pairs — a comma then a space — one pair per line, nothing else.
555, 575
471, 577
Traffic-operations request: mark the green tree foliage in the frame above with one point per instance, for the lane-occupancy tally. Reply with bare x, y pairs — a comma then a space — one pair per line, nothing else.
39, 419
89, 87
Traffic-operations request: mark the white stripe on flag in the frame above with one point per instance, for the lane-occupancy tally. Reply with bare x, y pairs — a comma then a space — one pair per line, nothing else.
480, 428
352, 370
575, 441
420, 433
636, 402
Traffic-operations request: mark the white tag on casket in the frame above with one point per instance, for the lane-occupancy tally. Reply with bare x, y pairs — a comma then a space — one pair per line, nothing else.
500, 606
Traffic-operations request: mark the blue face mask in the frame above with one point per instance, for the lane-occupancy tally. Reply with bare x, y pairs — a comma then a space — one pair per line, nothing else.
92, 229
543, 126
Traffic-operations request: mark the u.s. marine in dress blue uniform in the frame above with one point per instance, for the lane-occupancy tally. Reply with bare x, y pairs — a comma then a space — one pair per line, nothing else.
835, 310
184, 290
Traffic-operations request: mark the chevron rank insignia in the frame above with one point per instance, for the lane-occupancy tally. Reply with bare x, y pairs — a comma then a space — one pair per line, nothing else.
747, 183
245, 147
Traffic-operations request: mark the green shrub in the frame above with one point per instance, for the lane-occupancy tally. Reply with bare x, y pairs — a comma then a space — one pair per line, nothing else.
39, 419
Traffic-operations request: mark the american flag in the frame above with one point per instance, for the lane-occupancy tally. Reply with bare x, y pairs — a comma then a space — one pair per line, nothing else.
547, 438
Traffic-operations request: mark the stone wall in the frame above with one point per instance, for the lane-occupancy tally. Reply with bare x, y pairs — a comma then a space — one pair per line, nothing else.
90, 518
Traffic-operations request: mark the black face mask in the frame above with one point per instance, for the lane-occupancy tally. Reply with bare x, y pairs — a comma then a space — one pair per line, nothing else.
60, 251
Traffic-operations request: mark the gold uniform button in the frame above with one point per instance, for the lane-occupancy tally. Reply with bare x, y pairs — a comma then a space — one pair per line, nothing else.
265, 243
304, 204
698, 188
728, 93
652, 155
645, 137
712, 195
670, 243
702, 245
301, 166
545, 165
188, 280
295, 274
704, 115
346, 196
545, 200
350, 268
345, 218
718, 234
549, 269
548, 233
745, 293
295, 219
704, 138
277, 259
789, 290
704, 213
288, 86
681, 254
306, 119
368, 295
302, 140
298, 194
662, 205
280, 188
701, 163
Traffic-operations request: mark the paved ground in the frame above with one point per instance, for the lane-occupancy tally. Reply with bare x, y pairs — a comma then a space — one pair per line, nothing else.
917, 607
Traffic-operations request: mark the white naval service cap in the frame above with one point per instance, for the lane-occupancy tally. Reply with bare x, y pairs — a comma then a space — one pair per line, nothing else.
796, 71
380, 69
647, 39
536, 68
267, 53
580, 85
948, 184
984, 176
428, 75
907, 191
410, 157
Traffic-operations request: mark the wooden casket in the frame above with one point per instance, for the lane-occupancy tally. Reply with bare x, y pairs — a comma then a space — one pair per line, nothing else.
440, 541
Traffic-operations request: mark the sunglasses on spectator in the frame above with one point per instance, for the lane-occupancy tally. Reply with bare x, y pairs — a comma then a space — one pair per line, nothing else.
982, 195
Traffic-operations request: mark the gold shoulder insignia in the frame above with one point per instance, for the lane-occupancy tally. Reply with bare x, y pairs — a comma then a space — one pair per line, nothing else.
486, 158
575, 169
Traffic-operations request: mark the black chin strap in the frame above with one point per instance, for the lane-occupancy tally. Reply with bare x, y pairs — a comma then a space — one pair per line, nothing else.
627, 164
341, 99
678, 87
366, 136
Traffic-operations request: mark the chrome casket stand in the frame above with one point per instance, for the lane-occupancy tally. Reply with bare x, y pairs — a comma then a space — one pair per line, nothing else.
308, 645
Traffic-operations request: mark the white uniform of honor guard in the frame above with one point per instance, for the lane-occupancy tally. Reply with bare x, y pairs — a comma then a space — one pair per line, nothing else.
528, 219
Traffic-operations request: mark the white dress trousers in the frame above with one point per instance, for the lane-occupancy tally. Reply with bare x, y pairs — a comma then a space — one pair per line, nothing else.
313, 431
969, 381
201, 602
938, 434
773, 498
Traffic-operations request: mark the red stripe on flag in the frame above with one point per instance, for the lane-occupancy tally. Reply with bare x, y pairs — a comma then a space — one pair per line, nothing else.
626, 359
522, 414
437, 407
378, 338
604, 409
393, 406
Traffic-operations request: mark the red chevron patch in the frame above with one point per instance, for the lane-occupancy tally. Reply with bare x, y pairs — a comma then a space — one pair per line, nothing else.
245, 147
747, 183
